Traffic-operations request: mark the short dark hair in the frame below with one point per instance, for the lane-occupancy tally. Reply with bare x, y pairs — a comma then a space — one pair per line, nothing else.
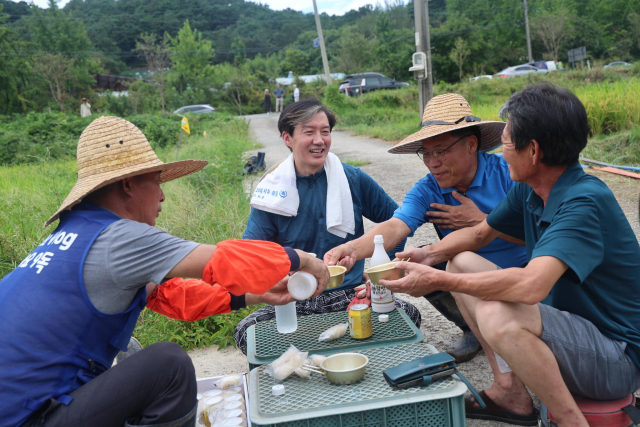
551, 115
301, 112
472, 130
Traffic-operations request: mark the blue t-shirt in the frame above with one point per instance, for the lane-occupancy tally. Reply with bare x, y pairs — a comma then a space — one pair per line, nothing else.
278, 93
489, 187
308, 230
582, 225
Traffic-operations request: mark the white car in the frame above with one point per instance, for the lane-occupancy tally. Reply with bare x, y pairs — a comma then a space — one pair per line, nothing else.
473, 79
518, 70
198, 109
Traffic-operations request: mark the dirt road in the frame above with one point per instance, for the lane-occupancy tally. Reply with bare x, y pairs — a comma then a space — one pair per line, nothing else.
396, 174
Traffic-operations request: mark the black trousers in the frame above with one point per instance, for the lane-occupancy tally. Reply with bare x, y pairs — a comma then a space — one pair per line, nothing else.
156, 386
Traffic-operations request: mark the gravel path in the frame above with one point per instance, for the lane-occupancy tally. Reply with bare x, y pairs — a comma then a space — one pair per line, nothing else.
396, 174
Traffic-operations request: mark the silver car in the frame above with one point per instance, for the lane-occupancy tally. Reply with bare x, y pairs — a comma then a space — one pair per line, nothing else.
518, 70
198, 109
617, 64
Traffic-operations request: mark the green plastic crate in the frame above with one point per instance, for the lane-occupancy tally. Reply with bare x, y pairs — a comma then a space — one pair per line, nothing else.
265, 344
371, 402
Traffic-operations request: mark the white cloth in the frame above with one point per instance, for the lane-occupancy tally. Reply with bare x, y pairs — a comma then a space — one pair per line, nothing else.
278, 193
85, 110
296, 93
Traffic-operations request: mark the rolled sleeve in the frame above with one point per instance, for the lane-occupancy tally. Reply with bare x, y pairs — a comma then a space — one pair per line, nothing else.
415, 205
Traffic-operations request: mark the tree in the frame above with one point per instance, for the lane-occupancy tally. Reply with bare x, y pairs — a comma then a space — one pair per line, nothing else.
296, 61
355, 52
634, 25
14, 72
238, 84
191, 56
552, 29
56, 70
459, 53
155, 52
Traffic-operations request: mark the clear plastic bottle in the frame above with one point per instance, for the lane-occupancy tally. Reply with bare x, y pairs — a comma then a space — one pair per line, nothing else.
382, 299
286, 319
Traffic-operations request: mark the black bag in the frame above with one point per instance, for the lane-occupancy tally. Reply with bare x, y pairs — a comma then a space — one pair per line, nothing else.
255, 163
423, 371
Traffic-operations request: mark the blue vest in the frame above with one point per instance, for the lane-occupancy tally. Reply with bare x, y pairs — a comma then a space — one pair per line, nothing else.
52, 339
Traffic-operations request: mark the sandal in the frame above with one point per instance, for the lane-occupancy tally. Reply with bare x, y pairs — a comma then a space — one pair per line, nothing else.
495, 413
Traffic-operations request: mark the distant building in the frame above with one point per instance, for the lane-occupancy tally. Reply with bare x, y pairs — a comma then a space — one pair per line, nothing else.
286, 81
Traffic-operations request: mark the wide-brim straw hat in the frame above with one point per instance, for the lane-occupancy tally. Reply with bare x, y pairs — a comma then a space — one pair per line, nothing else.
111, 149
445, 113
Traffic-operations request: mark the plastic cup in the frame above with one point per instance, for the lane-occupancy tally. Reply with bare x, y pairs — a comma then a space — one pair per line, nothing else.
286, 319
302, 285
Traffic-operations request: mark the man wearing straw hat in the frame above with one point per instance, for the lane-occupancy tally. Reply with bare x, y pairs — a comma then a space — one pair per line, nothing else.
567, 324
73, 303
465, 183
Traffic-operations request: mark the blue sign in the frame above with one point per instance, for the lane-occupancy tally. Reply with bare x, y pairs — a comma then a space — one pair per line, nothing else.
316, 42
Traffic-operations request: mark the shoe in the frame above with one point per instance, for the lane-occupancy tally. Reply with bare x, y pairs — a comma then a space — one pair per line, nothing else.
466, 347
495, 413
133, 347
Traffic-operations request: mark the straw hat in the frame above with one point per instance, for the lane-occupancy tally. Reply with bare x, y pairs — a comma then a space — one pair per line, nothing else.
445, 113
111, 149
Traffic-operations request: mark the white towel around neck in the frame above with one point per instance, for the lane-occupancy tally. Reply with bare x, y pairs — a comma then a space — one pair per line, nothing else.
277, 193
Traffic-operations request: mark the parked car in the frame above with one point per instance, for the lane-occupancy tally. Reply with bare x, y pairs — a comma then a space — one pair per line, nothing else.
473, 79
198, 109
518, 70
544, 66
617, 64
368, 82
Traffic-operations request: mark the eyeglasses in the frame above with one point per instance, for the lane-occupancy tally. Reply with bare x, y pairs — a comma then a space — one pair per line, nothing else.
425, 156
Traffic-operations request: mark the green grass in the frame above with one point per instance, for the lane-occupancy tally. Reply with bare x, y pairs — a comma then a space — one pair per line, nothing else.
206, 207
357, 163
622, 148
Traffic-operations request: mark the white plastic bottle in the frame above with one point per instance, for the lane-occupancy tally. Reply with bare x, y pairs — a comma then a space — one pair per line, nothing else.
382, 299
286, 319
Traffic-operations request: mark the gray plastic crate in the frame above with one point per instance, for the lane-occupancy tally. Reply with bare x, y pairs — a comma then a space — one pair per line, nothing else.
265, 344
371, 402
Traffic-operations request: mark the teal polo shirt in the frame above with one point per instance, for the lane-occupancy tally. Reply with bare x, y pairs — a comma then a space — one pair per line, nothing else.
490, 185
582, 225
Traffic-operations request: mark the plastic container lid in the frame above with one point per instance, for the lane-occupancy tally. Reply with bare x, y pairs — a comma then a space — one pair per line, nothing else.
383, 318
277, 390
302, 285
378, 238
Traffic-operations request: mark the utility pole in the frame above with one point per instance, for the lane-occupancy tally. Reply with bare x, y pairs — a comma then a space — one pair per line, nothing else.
423, 44
429, 69
323, 51
526, 25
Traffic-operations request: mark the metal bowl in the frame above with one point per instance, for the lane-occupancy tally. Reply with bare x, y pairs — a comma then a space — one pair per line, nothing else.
386, 271
345, 368
337, 273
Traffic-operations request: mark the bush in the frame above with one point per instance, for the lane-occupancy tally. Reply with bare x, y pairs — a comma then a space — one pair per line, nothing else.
32, 137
